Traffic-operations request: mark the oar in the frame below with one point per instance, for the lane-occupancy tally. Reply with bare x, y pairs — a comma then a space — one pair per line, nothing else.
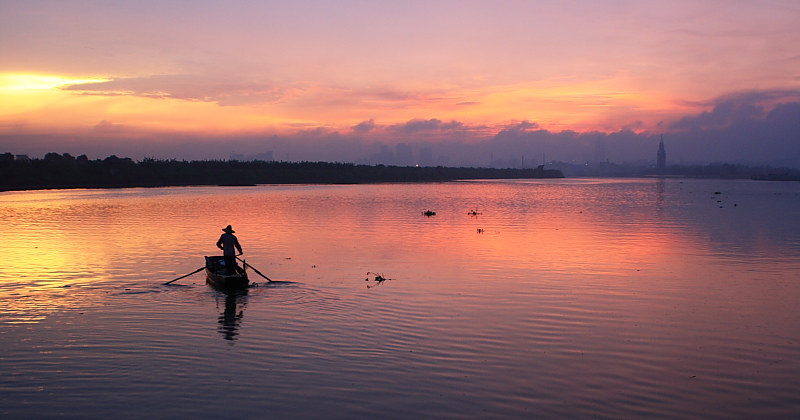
185, 275
254, 269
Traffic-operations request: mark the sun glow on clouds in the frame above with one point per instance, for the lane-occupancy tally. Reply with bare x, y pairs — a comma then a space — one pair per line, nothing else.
33, 82
563, 104
272, 67
208, 104
54, 103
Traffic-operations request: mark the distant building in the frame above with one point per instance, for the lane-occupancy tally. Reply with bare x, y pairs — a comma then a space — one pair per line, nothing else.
403, 155
599, 151
661, 156
425, 156
385, 156
264, 156
22, 157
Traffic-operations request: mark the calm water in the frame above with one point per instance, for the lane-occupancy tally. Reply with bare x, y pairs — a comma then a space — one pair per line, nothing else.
561, 299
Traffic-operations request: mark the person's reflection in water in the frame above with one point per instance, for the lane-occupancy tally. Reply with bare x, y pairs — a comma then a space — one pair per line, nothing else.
231, 318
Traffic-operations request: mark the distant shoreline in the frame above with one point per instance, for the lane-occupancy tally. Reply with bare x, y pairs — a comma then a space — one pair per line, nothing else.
66, 172
63, 171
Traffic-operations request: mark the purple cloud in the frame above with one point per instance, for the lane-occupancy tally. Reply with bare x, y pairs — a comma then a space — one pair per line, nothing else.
735, 108
364, 127
422, 125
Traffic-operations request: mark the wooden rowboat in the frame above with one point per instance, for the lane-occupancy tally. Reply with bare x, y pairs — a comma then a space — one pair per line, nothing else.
217, 275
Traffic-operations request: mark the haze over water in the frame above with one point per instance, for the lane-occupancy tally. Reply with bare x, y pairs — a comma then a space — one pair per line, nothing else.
577, 298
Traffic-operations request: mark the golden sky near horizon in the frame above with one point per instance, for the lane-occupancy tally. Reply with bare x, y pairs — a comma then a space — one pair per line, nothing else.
152, 68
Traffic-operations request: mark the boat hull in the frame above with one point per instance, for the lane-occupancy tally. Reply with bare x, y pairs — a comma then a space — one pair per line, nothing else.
217, 275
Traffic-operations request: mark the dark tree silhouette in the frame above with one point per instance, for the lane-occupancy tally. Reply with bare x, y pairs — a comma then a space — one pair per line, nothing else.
65, 171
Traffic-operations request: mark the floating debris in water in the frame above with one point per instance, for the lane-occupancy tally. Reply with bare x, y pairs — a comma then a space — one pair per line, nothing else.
429, 213
379, 279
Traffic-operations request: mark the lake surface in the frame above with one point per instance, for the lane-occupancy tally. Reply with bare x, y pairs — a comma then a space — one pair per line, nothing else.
559, 299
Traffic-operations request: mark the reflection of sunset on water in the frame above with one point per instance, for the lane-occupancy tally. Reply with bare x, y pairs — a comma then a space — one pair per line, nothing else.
556, 232
511, 286
87, 238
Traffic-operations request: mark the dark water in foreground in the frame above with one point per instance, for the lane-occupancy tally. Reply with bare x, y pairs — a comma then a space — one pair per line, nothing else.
561, 299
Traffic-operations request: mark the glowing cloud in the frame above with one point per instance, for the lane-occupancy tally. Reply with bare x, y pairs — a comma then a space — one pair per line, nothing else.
33, 82
382, 71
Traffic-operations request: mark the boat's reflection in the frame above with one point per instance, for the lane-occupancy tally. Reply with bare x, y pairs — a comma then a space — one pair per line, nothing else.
230, 319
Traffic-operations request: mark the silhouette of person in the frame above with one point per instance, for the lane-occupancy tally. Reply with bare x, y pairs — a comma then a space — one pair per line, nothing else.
229, 244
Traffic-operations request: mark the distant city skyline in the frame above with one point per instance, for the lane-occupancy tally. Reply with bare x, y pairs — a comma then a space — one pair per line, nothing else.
506, 150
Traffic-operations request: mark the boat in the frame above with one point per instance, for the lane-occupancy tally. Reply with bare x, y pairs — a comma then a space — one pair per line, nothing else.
217, 275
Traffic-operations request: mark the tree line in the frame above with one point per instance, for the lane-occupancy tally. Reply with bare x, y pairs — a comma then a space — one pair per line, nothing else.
56, 171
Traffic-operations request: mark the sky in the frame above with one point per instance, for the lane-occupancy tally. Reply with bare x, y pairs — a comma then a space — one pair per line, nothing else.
573, 80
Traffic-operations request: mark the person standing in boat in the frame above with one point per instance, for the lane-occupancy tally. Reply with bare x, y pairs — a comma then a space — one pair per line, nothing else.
229, 244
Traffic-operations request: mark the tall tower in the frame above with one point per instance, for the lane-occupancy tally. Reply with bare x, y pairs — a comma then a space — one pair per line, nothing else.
661, 158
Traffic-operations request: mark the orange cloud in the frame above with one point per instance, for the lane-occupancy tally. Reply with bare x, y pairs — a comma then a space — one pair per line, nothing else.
203, 105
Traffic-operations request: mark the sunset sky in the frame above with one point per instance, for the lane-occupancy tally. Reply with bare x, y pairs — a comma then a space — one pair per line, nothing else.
202, 79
